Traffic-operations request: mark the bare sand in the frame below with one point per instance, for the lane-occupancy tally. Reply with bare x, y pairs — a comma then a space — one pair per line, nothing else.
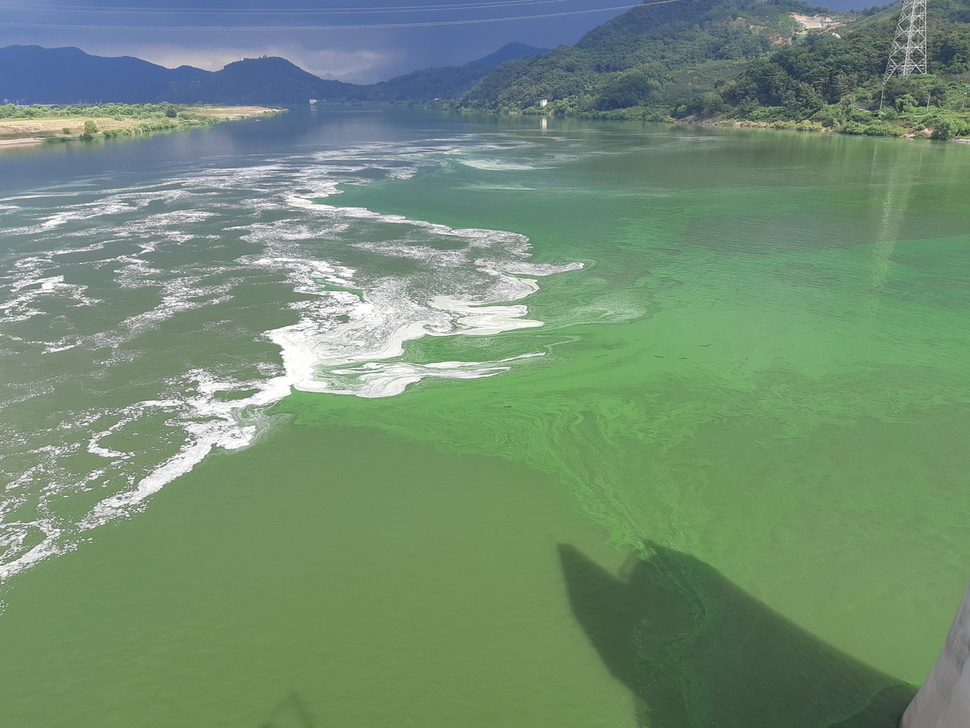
26, 141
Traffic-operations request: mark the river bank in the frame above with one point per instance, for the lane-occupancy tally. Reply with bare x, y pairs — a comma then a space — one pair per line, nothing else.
105, 122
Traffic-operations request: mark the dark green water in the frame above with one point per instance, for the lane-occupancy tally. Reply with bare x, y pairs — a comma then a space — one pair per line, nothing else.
723, 483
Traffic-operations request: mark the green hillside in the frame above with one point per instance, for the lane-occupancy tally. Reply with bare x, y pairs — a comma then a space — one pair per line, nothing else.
747, 61
837, 82
640, 57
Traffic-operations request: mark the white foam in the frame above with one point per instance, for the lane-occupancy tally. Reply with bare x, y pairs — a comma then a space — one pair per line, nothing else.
390, 379
540, 269
82, 249
87, 212
381, 315
123, 503
33, 289
442, 258
307, 202
477, 319
94, 443
496, 165
210, 424
50, 546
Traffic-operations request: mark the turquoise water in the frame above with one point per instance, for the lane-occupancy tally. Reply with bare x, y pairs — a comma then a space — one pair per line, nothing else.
388, 419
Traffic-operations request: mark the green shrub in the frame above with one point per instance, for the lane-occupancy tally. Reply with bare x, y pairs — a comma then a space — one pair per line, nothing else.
947, 126
881, 128
852, 127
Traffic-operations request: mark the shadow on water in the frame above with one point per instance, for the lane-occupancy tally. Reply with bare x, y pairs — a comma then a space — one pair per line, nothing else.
291, 712
696, 651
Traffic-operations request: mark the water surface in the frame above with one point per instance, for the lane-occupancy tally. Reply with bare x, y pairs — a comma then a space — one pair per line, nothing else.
303, 413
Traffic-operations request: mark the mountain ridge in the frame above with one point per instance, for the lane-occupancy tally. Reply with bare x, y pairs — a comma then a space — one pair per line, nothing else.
68, 75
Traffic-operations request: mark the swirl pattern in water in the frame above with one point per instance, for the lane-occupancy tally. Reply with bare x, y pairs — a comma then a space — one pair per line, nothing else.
145, 323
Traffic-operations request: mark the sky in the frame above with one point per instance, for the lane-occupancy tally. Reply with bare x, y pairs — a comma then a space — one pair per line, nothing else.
360, 41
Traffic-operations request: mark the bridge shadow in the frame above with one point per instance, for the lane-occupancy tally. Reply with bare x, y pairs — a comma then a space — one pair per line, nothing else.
697, 651
291, 712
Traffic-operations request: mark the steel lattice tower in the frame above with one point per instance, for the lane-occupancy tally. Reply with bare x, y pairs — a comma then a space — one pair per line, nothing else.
908, 54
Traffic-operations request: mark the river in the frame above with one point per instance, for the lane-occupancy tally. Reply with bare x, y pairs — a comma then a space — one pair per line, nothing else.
364, 418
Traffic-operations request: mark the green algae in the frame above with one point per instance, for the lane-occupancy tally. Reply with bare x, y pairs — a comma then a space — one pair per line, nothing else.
762, 364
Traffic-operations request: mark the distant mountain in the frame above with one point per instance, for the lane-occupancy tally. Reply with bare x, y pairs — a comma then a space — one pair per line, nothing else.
267, 80
69, 75
443, 82
31, 74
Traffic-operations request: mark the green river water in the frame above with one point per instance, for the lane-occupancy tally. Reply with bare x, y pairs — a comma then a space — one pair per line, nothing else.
385, 419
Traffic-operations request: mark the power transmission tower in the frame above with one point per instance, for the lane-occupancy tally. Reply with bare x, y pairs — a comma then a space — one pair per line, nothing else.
908, 54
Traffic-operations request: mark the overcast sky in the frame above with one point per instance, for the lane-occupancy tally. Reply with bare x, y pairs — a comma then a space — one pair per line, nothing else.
350, 40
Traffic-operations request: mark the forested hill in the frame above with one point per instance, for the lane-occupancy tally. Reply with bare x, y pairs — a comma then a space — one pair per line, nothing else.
747, 60
634, 59
837, 80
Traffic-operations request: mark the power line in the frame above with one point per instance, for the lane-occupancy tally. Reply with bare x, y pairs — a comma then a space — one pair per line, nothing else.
361, 26
277, 11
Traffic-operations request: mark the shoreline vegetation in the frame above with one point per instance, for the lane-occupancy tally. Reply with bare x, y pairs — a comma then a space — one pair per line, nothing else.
901, 121
894, 108
31, 125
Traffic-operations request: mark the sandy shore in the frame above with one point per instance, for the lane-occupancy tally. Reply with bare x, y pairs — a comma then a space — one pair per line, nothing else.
23, 132
25, 142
